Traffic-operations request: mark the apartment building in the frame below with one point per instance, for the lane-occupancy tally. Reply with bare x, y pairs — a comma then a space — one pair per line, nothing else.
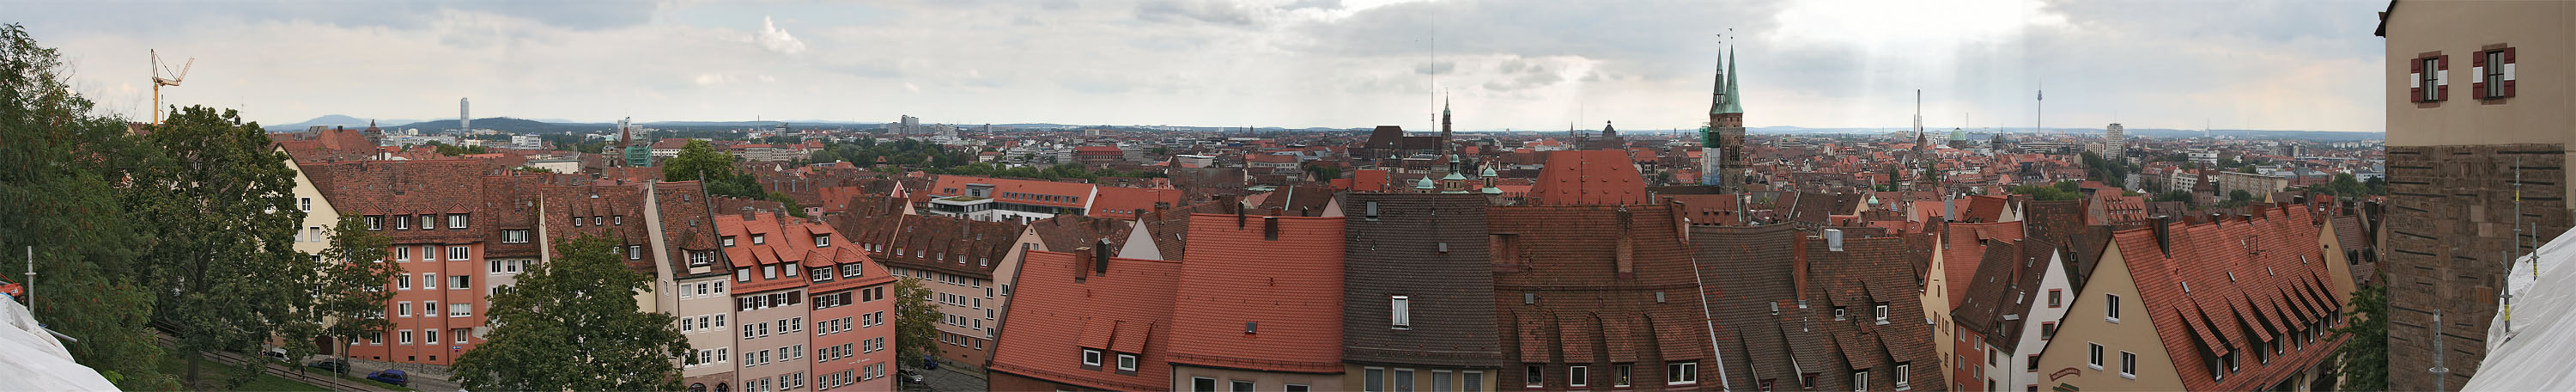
434, 214
2235, 303
1088, 321
1793, 312
957, 258
769, 294
2480, 110
1258, 293
1958, 253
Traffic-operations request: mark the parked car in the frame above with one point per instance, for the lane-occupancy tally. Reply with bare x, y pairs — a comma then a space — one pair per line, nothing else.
908, 376
391, 376
331, 365
278, 354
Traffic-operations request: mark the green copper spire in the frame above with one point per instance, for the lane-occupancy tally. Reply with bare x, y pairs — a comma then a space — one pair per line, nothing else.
1717, 97
1734, 101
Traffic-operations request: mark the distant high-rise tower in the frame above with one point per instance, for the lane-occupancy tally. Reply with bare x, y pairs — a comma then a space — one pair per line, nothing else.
464, 115
1722, 142
2118, 145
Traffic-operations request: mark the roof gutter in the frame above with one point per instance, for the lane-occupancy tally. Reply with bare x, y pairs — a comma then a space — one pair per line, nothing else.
1716, 354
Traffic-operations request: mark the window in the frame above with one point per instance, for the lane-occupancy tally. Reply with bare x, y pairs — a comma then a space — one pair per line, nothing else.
2030, 363
458, 253
1904, 376
769, 272
2128, 365
2430, 82
460, 310
634, 252
459, 282
1619, 374
402, 309
1403, 380
375, 222
2053, 295
1838, 313
2094, 355
757, 239
1880, 310
404, 337
1578, 375
1681, 373
728, 241
1090, 358
2494, 69
1242, 386
1534, 376
2111, 307
514, 236
402, 253
401, 222
429, 336
1202, 384
2047, 330
1473, 381
1401, 308
456, 221
1373, 380
1860, 381
429, 280
429, 309
402, 282
1126, 362
822, 240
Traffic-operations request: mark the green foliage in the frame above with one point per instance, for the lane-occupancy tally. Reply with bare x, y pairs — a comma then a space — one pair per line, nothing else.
2237, 198
916, 332
350, 290
2063, 190
1049, 173
58, 197
790, 202
2363, 359
220, 254
2343, 185
2174, 195
572, 324
1323, 173
904, 152
448, 150
2113, 172
701, 161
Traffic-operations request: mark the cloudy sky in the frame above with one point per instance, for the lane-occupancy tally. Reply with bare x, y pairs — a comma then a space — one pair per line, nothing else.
1506, 64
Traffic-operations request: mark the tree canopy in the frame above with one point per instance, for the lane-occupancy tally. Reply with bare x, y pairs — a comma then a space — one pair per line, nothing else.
220, 255
572, 324
699, 160
916, 334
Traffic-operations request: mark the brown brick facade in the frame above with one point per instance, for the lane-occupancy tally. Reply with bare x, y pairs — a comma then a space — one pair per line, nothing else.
2449, 227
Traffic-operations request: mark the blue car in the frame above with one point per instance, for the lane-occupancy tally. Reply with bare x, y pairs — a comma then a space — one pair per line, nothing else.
391, 376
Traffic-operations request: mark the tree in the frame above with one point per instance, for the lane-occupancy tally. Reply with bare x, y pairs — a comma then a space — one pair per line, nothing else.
1323, 173
59, 168
2063, 190
572, 324
2363, 359
2174, 195
2344, 185
699, 160
916, 332
350, 290
789, 203
221, 257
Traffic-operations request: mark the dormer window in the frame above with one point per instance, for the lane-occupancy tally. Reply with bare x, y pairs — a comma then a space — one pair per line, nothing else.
758, 239
822, 240
728, 241
1838, 313
1880, 311
456, 221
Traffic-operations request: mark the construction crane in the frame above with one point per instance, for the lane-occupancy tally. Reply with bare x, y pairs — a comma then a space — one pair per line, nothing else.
159, 69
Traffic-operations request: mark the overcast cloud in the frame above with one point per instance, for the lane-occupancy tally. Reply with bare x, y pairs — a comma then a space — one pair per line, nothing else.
1506, 64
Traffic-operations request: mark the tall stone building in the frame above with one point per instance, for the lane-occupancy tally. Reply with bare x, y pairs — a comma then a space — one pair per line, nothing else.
2467, 149
1722, 141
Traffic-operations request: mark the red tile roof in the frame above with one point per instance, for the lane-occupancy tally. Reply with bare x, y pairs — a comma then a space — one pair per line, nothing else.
2260, 273
1588, 177
1964, 251
1125, 203
1271, 275
1032, 192
1127, 309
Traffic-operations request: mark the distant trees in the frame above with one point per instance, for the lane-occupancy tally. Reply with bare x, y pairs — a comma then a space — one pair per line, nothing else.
2113, 172
700, 161
2063, 190
2174, 195
1049, 173
454, 150
571, 324
2343, 185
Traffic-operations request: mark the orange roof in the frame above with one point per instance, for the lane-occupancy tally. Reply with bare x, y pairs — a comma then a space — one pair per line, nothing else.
1242, 278
1589, 177
1017, 191
1125, 203
2262, 269
1127, 307
1964, 247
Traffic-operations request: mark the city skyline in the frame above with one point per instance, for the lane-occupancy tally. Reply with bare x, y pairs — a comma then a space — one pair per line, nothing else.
1535, 66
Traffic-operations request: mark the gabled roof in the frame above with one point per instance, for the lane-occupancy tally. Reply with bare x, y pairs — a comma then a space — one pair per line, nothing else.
1170, 227
1588, 177
1451, 293
1125, 203
1750, 271
2007, 283
1128, 309
1588, 263
1064, 233
1256, 286
2245, 273
1964, 251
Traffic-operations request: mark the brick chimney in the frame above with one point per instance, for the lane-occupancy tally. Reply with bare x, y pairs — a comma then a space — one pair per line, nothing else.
1798, 265
1627, 252
2164, 233
1081, 264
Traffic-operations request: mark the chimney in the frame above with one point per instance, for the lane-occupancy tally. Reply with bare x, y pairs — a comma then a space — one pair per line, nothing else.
1798, 265
1081, 261
1100, 259
1270, 228
1627, 252
2164, 233
1834, 239
1238, 218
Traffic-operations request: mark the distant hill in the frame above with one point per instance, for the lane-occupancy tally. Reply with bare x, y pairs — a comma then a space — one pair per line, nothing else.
506, 124
326, 120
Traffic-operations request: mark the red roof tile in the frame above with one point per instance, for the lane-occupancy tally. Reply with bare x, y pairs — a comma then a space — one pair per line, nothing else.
1588, 177
1053, 316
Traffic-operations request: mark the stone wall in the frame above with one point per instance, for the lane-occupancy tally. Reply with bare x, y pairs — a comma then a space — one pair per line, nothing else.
2449, 227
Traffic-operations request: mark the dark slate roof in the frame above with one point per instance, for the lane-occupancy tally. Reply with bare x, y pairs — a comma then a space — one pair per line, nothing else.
1397, 252
1587, 266
2006, 283
1746, 276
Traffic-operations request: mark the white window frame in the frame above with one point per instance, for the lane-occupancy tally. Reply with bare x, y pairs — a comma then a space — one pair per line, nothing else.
430, 309
429, 281
1578, 375
1400, 307
1860, 381
1090, 357
2128, 365
1681, 373
2093, 355
1126, 362
1904, 376
2111, 307
402, 309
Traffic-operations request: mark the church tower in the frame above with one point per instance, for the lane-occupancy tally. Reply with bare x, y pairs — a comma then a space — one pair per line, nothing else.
1722, 142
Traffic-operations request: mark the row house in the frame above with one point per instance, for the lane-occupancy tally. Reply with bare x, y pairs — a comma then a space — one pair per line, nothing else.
811, 310
1959, 248
2009, 315
440, 226
959, 258
1418, 286
1596, 297
2233, 303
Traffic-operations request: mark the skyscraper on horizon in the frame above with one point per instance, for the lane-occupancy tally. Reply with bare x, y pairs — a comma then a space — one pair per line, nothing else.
465, 115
